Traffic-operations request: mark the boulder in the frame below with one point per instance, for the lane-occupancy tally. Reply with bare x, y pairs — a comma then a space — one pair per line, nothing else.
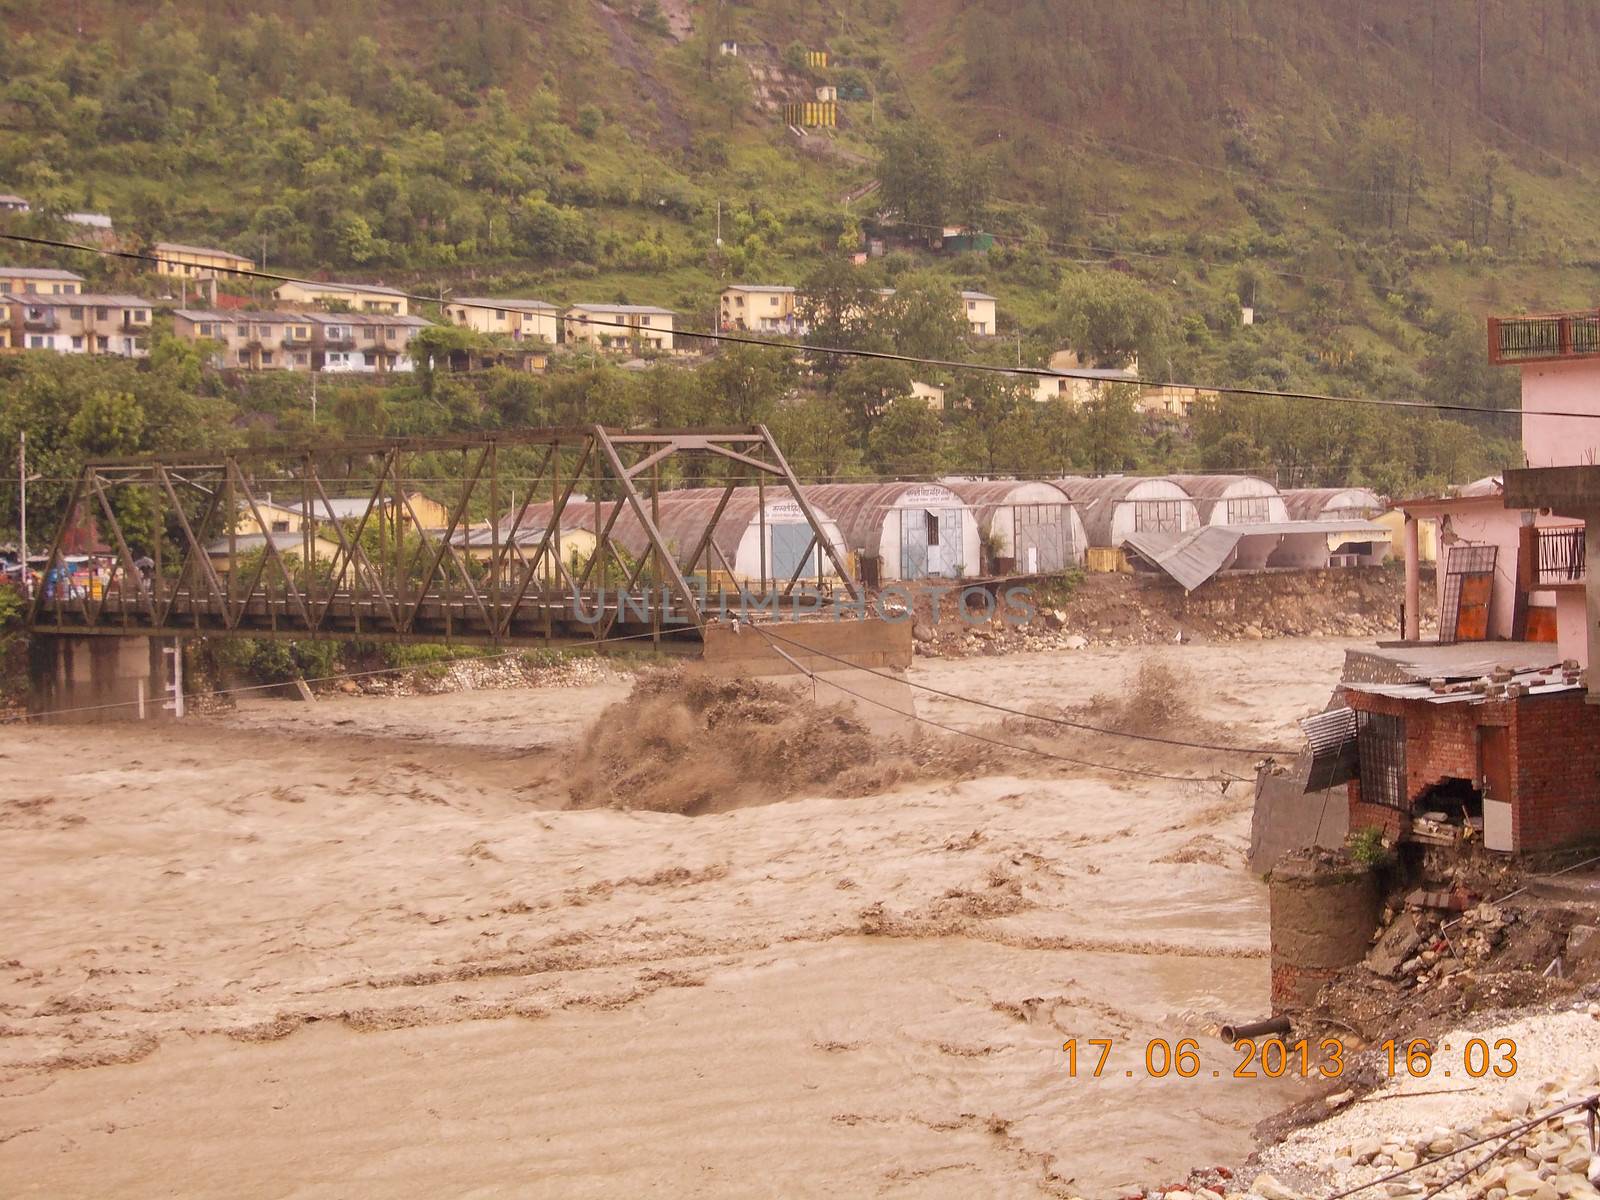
1269, 1188
1397, 945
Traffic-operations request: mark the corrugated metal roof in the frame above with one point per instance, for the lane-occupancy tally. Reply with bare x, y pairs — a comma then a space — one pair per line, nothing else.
1217, 487
1332, 736
1307, 504
507, 305
860, 509
1423, 691
37, 273
1208, 490
682, 517
1090, 489
1097, 498
987, 495
1195, 556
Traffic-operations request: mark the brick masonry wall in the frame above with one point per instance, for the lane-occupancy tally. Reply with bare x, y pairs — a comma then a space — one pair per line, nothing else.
1555, 761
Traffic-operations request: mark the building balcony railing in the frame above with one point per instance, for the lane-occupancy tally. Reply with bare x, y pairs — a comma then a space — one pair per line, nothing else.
1560, 558
1547, 338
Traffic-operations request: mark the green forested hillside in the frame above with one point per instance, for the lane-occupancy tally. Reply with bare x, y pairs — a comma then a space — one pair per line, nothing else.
1370, 178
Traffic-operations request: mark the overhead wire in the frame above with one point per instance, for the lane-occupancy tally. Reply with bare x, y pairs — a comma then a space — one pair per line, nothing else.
1221, 780
1016, 712
1508, 1135
876, 355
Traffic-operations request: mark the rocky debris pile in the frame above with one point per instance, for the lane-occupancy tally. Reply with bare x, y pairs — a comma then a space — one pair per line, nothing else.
1443, 953
1410, 1131
486, 674
1126, 610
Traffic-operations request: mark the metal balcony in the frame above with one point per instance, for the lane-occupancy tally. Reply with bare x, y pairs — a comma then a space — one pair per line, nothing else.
1551, 337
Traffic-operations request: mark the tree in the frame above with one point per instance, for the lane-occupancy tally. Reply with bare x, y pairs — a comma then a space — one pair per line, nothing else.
815, 435
1108, 428
1112, 319
865, 386
908, 440
922, 319
914, 167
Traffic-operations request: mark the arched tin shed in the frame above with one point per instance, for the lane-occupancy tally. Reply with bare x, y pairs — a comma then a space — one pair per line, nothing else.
914, 530
792, 552
1114, 506
1338, 504
1320, 504
1233, 499
1034, 527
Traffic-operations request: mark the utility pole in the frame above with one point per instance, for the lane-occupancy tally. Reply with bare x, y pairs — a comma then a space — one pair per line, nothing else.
313, 395
22, 512
719, 222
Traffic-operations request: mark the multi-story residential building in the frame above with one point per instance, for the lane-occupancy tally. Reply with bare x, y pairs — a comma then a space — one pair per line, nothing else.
81, 324
196, 261
364, 343
251, 341
5, 324
517, 319
357, 297
760, 307
624, 326
45, 281
978, 310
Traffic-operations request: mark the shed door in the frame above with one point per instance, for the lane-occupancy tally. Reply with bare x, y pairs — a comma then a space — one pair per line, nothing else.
1468, 590
1041, 537
944, 542
791, 545
913, 543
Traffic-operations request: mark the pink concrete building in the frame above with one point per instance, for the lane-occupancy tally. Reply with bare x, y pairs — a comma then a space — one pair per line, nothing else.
1520, 573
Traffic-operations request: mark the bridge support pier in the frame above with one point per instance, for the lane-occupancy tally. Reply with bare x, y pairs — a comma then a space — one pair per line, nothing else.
100, 678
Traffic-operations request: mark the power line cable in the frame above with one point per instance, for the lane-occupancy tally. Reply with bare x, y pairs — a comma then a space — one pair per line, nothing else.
1221, 780
881, 355
1015, 712
1589, 1102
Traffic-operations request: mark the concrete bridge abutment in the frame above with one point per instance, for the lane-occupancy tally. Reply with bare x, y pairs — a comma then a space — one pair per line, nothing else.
104, 678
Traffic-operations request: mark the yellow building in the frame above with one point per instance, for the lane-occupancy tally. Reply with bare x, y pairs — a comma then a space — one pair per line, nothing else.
516, 319
289, 546
42, 281
5, 326
196, 261
620, 326
357, 297
289, 517
977, 309
759, 307
1172, 399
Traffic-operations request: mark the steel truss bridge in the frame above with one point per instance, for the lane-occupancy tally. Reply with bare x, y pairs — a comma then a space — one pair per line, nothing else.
167, 519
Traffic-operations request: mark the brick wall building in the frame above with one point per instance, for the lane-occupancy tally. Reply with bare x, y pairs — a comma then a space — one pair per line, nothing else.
1539, 753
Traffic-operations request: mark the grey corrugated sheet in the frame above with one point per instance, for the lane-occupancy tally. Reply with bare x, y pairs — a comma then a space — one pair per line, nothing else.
1193, 557
1332, 737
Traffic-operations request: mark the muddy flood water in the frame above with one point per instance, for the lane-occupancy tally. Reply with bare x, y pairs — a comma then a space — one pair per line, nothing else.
367, 947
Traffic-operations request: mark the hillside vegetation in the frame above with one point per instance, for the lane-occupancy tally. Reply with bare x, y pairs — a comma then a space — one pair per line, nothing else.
1370, 179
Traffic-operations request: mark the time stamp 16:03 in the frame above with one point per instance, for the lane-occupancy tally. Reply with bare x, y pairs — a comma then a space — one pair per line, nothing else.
1273, 1058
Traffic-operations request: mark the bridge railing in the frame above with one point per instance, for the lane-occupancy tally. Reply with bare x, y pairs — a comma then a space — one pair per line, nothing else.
515, 536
